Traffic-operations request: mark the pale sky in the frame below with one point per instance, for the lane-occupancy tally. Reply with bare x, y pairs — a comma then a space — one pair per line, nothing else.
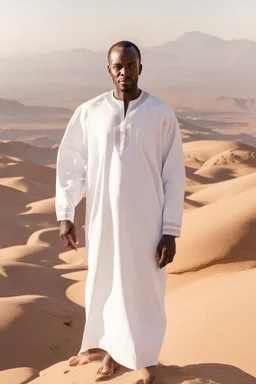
47, 25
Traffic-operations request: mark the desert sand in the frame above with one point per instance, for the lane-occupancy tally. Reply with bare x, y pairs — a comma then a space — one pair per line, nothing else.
211, 284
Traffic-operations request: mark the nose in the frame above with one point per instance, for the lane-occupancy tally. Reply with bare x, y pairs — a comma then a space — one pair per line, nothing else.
125, 71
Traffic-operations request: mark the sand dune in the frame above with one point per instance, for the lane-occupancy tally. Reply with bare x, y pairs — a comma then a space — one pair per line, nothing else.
32, 254
215, 161
18, 375
217, 173
212, 320
47, 135
224, 189
45, 207
76, 292
45, 238
46, 327
12, 200
247, 157
211, 315
29, 152
37, 254
18, 220
42, 141
13, 233
33, 188
35, 301
212, 373
29, 170
24, 279
192, 132
204, 150
74, 257
222, 232
49, 238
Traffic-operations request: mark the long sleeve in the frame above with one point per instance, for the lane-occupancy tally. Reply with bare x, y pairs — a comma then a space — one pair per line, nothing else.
173, 177
71, 167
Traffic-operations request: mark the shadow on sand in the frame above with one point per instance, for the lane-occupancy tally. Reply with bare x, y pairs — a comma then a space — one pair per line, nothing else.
210, 373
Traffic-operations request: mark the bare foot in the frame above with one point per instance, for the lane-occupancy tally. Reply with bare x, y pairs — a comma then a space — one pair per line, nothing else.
107, 368
87, 357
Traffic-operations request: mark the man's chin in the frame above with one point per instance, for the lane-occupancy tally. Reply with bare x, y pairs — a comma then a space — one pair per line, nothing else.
125, 88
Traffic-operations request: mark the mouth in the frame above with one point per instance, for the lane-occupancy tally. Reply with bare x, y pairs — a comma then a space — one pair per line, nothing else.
125, 81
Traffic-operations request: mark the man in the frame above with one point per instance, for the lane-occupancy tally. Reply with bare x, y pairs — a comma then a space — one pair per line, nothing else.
123, 148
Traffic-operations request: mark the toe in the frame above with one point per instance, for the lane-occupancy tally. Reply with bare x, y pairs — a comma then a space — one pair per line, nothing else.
99, 372
83, 360
73, 361
101, 376
102, 372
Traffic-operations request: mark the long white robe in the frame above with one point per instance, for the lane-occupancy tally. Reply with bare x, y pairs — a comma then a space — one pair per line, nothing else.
132, 171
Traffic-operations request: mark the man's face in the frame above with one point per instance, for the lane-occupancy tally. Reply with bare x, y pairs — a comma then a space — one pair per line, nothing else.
124, 68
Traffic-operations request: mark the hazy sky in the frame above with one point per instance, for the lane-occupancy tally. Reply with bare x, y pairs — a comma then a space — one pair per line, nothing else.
46, 25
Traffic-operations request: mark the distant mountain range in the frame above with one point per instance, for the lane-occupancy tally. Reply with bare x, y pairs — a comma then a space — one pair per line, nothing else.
241, 103
16, 108
193, 61
12, 111
197, 45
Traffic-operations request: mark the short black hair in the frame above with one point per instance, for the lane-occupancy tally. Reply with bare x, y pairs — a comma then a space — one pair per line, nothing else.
125, 44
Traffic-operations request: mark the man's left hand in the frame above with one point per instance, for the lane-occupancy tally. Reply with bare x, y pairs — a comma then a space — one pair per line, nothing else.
166, 250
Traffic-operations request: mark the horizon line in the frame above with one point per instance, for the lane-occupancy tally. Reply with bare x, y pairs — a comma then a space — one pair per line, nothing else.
141, 46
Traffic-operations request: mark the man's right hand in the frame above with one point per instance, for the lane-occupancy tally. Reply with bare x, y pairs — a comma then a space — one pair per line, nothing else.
68, 234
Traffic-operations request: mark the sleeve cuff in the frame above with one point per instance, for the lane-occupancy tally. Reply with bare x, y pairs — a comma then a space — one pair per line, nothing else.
172, 229
66, 214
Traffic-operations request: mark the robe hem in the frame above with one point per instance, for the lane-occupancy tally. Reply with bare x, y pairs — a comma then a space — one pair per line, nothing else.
134, 367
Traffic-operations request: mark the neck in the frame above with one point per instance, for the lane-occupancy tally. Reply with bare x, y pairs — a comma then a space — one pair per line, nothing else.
127, 96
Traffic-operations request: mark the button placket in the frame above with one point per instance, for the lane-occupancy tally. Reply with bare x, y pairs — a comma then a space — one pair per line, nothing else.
122, 136
123, 123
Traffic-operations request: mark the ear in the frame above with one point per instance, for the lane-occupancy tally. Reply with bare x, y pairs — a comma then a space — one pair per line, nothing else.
109, 70
140, 69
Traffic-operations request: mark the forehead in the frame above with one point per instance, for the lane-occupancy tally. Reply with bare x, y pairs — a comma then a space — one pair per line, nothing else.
123, 55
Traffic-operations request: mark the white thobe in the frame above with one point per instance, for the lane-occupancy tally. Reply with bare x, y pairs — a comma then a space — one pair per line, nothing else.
131, 168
